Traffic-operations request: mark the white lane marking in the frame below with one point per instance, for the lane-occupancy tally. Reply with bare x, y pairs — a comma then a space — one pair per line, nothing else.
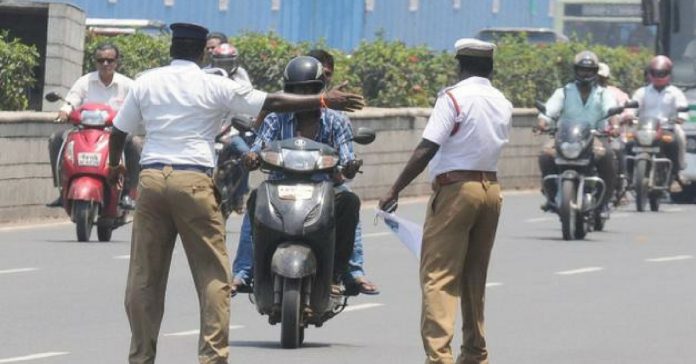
34, 226
619, 215
17, 270
33, 357
579, 271
196, 332
127, 256
362, 306
493, 284
669, 259
539, 219
372, 235
672, 209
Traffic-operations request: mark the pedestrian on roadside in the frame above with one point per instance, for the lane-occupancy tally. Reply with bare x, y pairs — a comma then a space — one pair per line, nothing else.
461, 142
182, 108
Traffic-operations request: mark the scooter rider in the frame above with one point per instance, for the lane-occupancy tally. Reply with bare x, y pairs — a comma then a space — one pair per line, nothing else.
225, 57
662, 100
581, 100
104, 86
303, 75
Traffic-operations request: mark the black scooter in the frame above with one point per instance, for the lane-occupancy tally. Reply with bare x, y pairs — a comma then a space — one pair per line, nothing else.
294, 236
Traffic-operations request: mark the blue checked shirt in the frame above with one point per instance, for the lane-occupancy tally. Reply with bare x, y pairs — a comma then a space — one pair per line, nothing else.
334, 130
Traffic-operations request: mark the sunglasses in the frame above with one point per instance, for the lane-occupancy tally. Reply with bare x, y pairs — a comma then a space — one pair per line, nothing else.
659, 73
106, 60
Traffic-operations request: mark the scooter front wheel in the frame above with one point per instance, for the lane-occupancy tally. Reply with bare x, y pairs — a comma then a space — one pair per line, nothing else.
291, 331
83, 215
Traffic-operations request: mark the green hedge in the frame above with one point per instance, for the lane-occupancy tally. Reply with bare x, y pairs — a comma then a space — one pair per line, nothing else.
17, 62
391, 74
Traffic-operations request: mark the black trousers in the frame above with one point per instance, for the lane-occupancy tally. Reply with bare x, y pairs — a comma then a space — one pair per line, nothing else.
132, 150
605, 168
347, 214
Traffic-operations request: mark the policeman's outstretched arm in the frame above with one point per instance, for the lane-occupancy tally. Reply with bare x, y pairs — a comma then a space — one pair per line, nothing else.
334, 99
424, 152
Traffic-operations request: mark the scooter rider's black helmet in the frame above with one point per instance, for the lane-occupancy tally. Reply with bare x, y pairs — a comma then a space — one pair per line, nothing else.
303, 70
586, 66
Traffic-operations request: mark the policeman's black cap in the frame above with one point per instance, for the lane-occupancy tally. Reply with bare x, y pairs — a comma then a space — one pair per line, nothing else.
189, 31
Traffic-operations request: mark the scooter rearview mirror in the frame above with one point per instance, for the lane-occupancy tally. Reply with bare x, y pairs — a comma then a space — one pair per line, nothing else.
615, 111
364, 136
52, 97
683, 109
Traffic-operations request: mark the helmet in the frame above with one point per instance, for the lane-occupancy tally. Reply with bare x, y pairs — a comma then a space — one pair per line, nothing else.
225, 57
586, 65
303, 70
660, 71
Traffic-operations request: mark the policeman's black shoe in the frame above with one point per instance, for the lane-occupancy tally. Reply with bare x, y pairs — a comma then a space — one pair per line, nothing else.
127, 203
56, 203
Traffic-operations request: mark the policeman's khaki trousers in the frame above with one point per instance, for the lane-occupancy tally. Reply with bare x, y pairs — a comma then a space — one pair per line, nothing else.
458, 236
172, 203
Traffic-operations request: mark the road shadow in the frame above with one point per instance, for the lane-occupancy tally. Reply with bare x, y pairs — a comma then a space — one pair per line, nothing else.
91, 242
276, 345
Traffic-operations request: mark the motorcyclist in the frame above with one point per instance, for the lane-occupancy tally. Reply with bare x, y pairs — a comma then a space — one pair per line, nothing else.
104, 86
660, 99
617, 144
582, 100
224, 62
303, 75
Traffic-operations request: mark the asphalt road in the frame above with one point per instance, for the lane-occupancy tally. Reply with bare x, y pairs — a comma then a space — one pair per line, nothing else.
626, 295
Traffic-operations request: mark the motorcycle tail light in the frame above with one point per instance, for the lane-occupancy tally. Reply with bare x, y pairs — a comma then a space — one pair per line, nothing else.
667, 138
630, 136
646, 137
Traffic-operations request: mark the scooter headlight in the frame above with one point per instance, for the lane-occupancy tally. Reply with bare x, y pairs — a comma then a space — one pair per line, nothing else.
94, 117
272, 157
327, 161
645, 136
571, 150
301, 161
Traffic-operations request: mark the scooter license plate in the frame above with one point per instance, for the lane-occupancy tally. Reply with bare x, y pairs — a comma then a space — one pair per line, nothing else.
637, 149
297, 192
88, 159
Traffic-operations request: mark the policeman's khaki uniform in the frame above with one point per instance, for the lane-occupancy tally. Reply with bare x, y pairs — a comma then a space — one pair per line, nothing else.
470, 122
181, 109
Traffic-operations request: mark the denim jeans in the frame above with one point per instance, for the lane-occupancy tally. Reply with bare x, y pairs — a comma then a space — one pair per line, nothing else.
236, 148
243, 260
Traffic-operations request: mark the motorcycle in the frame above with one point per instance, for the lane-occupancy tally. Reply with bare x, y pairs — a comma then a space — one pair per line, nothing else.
294, 237
579, 189
652, 171
229, 173
87, 198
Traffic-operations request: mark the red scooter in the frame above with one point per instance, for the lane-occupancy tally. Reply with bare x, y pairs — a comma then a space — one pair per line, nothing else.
87, 198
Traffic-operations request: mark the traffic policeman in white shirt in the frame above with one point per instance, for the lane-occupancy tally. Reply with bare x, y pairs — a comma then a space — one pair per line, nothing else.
105, 86
662, 100
461, 145
182, 108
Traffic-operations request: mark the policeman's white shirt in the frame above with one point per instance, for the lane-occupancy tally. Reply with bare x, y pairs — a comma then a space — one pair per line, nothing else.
182, 108
90, 89
484, 126
661, 104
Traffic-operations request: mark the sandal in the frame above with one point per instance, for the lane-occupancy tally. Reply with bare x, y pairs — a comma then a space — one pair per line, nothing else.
239, 286
364, 286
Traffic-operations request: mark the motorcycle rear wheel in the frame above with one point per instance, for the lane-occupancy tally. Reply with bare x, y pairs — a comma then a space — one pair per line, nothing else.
83, 215
640, 183
291, 331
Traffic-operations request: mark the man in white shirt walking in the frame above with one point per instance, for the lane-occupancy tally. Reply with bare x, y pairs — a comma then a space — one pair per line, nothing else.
103, 86
181, 108
461, 145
